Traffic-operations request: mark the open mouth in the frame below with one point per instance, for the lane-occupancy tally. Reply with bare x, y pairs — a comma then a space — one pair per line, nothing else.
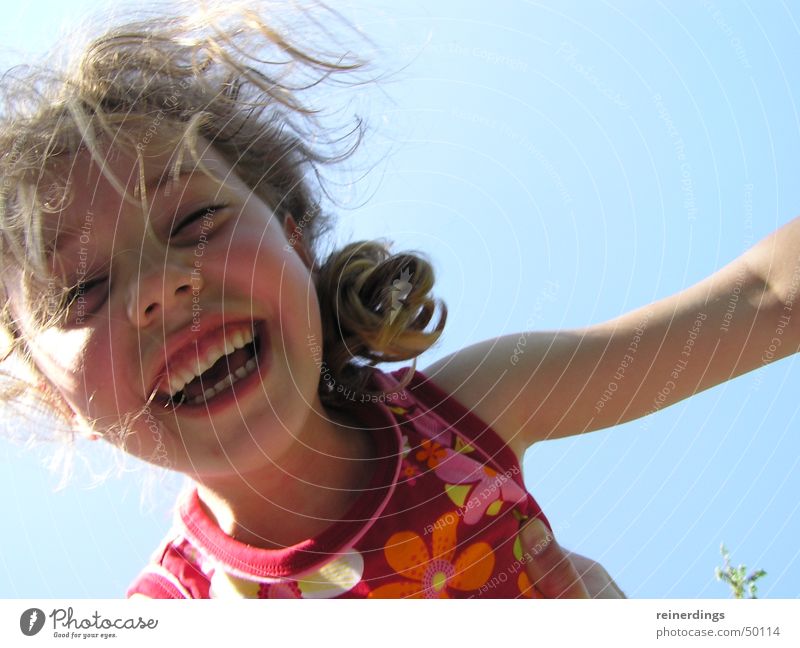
205, 374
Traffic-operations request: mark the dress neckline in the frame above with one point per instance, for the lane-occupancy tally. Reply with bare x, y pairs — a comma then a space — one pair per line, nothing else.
249, 562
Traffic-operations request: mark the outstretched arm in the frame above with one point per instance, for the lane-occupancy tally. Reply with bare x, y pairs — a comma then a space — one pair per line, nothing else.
568, 382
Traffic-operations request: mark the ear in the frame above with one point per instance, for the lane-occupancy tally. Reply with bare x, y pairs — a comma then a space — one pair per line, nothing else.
294, 237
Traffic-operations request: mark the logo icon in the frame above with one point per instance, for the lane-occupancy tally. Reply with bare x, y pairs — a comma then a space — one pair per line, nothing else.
401, 288
31, 621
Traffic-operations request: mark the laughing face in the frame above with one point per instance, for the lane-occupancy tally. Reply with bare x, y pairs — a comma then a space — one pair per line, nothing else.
195, 314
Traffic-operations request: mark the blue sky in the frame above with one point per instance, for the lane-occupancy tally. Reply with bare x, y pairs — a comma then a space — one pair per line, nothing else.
562, 163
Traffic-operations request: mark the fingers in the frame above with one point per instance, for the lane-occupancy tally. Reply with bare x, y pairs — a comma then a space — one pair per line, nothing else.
549, 568
595, 578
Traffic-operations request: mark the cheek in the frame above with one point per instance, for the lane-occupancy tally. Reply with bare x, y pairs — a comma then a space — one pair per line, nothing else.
256, 262
294, 292
273, 281
86, 366
61, 355
234, 255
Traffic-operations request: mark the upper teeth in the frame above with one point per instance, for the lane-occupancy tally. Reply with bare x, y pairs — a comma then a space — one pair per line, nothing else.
180, 376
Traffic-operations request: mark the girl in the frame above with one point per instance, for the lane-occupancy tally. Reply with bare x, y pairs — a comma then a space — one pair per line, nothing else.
162, 279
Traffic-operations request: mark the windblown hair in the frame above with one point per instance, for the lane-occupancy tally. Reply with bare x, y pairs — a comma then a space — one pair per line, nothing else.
238, 80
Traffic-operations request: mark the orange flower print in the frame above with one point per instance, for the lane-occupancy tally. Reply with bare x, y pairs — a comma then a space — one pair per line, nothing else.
432, 452
527, 590
432, 574
410, 472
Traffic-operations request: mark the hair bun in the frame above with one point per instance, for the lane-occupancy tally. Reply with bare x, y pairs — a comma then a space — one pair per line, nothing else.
375, 307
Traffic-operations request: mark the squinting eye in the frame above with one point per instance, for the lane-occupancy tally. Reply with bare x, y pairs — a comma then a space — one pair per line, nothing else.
196, 222
85, 299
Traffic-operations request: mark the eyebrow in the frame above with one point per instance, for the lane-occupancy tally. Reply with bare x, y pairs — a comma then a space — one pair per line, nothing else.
64, 238
169, 175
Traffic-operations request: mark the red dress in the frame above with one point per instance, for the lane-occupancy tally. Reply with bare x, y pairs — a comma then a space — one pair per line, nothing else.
440, 518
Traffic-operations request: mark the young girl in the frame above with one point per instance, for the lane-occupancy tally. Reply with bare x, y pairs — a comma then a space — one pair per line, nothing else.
161, 242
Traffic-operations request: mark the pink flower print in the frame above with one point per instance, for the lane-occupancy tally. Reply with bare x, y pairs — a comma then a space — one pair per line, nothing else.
425, 423
490, 488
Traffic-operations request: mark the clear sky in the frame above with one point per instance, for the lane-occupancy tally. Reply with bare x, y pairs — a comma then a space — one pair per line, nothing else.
562, 163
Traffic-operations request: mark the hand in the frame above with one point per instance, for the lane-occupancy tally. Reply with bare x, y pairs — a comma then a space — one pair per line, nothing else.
556, 573
595, 578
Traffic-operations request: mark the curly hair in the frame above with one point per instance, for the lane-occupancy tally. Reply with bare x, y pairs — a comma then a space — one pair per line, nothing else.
237, 79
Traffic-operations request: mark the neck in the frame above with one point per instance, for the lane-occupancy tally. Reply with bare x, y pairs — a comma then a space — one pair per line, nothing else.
297, 496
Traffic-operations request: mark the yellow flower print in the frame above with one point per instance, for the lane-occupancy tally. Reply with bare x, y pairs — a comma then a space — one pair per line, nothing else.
332, 579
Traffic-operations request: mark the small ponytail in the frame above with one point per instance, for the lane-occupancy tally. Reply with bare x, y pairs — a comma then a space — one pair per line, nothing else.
375, 307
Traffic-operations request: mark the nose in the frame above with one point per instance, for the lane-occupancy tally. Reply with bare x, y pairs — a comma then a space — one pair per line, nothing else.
163, 289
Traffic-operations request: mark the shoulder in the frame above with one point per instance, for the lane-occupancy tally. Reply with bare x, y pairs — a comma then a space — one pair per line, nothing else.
155, 582
174, 570
160, 579
473, 379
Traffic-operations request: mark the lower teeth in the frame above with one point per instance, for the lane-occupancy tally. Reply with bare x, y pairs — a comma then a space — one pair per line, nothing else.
242, 372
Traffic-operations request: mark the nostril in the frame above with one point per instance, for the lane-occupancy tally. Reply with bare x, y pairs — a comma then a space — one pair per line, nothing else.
182, 290
149, 310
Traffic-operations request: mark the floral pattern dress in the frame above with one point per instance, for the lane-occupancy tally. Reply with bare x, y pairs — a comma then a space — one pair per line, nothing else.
439, 519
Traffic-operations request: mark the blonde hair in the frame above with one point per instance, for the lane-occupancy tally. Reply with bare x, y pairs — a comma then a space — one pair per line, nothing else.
237, 80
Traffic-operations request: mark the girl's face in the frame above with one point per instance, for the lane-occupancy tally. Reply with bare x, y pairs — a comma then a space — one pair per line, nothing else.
208, 306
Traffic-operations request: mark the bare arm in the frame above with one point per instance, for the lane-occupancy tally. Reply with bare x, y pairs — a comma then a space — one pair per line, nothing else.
575, 381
